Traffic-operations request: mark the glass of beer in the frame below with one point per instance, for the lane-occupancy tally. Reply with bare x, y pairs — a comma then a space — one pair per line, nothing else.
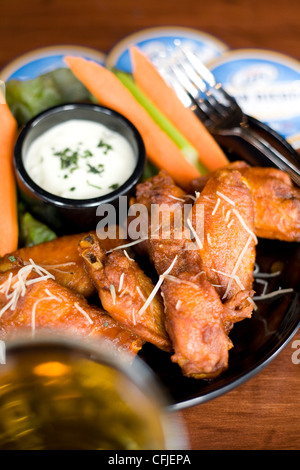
60, 394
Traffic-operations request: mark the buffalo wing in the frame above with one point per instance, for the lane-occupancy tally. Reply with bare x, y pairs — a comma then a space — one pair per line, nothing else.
276, 201
31, 301
123, 290
61, 258
193, 308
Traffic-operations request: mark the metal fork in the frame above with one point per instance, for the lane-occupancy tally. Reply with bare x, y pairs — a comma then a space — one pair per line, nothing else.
198, 90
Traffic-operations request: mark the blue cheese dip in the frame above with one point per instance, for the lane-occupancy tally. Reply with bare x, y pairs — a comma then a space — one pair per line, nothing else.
80, 159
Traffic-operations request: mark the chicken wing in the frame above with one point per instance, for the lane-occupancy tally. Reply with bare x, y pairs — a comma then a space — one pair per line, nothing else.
61, 258
31, 301
223, 217
123, 290
167, 234
276, 201
193, 308
195, 323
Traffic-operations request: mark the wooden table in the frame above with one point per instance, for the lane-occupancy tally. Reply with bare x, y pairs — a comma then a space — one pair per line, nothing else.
263, 413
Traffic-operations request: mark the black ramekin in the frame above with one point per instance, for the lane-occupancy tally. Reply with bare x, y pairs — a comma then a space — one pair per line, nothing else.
73, 215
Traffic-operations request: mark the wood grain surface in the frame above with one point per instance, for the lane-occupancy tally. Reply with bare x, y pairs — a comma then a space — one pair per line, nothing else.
263, 413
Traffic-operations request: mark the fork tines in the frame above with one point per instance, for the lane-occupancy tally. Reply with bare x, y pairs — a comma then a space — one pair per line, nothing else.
194, 85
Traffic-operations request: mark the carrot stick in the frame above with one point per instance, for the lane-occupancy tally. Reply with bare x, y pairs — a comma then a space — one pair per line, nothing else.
110, 92
164, 97
8, 198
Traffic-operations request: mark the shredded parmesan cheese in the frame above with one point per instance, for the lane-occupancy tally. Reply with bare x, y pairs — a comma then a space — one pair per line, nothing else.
251, 301
113, 293
176, 198
225, 198
190, 196
265, 284
18, 284
257, 273
198, 241
56, 267
62, 265
245, 225
9, 304
37, 302
256, 269
273, 294
216, 206
235, 278
157, 287
33, 313
121, 282
227, 216
237, 265
81, 310
127, 256
239, 283
6, 285
39, 269
181, 281
34, 281
141, 293
121, 247
53, 296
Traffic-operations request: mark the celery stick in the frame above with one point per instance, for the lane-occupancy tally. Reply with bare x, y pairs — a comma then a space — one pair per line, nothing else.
187, 149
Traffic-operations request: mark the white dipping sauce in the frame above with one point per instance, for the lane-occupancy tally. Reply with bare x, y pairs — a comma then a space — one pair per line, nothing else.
80, 159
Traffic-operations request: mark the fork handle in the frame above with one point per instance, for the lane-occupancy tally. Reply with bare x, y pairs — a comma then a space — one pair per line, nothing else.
263, 150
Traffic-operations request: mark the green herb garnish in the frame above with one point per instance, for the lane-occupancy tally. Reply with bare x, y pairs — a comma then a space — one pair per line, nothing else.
87, 153
93, 185
114, 186
93, 169
12, 259
72, 189
68, 158
104, 145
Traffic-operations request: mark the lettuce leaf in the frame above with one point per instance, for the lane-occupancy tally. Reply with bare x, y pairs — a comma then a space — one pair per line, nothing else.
33, 232
27, 98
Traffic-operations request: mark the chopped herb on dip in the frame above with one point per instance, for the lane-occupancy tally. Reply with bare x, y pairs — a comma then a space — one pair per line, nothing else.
71, 160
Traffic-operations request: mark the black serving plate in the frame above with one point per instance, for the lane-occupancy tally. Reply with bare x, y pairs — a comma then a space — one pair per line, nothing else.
256, 341
237, 147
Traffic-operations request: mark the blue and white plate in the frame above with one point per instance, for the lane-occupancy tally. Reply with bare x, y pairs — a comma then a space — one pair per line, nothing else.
266, 85
160, 42
44, 60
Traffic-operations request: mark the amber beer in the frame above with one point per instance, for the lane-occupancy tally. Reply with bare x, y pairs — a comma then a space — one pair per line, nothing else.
61, 395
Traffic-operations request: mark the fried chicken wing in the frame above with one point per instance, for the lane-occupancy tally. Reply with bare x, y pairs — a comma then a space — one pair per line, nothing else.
223, 217
165, 204
61, 258
31, 301
123, 290
276, 201
195, 323
194, 311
